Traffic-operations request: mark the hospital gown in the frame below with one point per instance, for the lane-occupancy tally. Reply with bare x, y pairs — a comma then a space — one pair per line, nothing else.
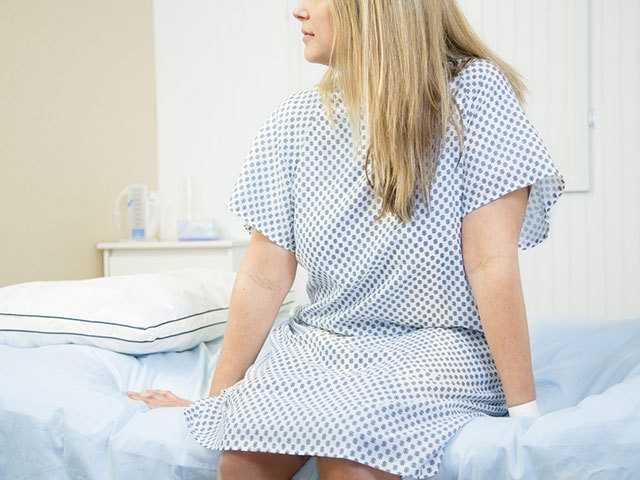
388, 360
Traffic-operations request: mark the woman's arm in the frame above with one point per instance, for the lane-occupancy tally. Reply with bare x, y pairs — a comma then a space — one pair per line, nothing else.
265, 277
490, 256
263, 280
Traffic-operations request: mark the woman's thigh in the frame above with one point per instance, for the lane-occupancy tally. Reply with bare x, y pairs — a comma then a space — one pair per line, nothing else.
343, 469
238, 464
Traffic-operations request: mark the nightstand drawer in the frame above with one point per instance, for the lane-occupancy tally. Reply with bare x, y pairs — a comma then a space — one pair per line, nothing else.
125, 258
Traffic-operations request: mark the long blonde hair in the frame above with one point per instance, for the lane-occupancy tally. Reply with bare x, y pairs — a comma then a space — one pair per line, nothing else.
392, 61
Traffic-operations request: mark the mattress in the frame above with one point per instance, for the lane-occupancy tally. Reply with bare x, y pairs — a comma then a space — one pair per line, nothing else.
64, 413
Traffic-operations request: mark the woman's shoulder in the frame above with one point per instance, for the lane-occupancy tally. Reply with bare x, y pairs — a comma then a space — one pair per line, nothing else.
298, 101
293, 114
291, 109
481, 88
479, 77
479, 71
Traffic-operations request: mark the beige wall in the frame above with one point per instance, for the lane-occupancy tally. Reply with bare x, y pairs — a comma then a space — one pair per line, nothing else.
77, 124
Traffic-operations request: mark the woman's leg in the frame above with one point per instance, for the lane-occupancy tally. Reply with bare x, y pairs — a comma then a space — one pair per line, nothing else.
241, 465
342, 469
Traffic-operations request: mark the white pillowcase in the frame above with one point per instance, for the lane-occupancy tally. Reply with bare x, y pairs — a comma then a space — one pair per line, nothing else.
134, 314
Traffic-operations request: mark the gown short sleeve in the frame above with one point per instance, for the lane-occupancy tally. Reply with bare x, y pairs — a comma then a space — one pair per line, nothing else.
262, 196
503, 152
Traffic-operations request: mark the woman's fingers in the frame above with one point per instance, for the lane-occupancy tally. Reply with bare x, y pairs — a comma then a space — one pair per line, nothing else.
159, 398
160, 393
149, 393
154, 394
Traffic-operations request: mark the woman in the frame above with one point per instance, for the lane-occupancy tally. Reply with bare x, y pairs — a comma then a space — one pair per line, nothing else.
409, 230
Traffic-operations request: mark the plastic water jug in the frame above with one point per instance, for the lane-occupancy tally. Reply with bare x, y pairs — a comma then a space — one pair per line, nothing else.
143, 212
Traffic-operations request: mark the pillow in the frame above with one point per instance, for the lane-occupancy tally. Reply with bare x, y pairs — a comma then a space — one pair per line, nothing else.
135, 314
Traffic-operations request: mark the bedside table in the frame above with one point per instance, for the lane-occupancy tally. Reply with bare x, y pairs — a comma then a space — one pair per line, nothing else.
128, 257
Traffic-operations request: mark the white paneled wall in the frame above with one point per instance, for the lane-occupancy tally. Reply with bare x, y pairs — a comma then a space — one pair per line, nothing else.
588, 271
602, 229
223, 66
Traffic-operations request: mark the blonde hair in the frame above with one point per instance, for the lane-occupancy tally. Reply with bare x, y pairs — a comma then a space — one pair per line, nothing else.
392, 62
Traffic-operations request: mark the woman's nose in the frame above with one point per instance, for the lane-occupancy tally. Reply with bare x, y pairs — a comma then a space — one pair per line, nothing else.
300, 13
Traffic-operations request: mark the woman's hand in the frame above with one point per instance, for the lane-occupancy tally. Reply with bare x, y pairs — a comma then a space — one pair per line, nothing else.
159, 398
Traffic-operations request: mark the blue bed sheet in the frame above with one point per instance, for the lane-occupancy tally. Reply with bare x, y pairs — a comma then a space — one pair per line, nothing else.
64, 413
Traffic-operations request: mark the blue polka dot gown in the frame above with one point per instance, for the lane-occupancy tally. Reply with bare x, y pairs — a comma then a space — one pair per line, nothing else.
388, 360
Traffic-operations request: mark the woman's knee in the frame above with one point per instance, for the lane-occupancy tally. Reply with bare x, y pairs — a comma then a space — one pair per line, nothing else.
330, 468
238, 464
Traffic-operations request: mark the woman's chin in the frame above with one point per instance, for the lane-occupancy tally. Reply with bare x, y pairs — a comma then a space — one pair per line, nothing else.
314, 58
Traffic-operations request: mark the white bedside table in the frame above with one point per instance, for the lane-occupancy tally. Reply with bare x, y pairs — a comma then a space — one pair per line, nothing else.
129, 257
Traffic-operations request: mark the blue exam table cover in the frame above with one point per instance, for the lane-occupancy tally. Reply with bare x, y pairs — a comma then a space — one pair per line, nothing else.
64, 413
